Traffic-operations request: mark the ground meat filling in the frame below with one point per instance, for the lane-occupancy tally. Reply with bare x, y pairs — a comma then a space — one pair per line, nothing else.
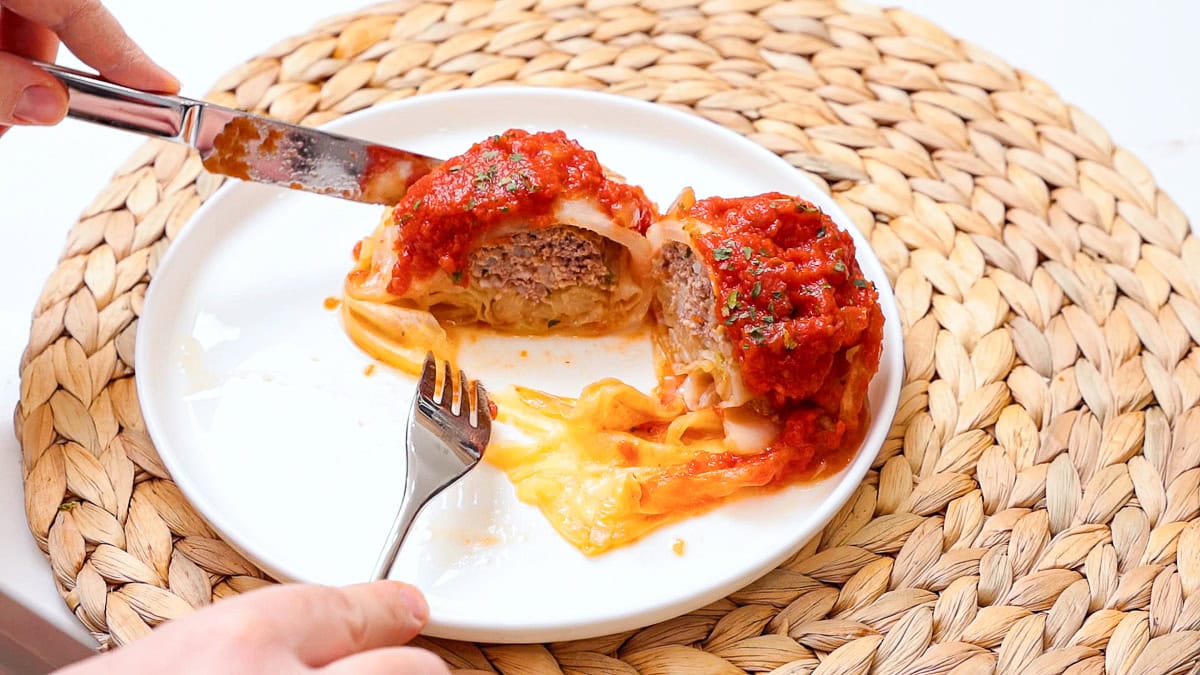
686, 304
536, 263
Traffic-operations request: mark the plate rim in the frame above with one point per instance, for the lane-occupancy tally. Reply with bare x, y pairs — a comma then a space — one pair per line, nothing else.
849, 477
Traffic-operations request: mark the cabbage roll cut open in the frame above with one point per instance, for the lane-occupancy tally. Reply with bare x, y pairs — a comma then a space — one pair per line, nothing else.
525, 233
763, 311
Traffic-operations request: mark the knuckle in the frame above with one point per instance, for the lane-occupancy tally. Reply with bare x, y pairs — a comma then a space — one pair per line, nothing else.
352, 616
261, 618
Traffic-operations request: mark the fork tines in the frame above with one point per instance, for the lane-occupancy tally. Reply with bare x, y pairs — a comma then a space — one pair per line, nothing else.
456, 401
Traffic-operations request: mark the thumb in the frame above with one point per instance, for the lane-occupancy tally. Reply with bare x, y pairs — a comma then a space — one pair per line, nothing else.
28, 94
321, 624
95, 36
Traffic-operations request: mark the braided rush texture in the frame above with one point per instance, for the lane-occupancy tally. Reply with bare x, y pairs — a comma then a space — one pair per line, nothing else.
1035, 507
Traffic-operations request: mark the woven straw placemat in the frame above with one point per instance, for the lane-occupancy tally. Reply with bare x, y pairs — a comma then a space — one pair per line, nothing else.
1035, 507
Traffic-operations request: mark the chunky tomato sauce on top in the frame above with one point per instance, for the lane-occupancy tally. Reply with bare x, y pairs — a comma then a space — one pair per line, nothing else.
511, 177
806, 329
791, 295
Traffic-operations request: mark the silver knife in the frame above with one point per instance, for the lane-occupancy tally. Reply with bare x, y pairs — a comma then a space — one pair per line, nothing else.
250, 147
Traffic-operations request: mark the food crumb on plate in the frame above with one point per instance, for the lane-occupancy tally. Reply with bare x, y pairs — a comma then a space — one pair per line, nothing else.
678, 546
369, 370
331, 303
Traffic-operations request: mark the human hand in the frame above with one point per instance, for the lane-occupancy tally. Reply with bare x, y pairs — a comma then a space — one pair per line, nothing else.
288, 629
31, 29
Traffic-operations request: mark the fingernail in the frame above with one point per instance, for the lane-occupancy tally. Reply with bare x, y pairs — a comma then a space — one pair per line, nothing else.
38, 105
416, 603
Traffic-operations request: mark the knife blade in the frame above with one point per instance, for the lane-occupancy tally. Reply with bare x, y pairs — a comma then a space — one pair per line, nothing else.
250, 147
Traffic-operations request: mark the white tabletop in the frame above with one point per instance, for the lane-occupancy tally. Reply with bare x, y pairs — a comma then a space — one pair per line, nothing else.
1132, 68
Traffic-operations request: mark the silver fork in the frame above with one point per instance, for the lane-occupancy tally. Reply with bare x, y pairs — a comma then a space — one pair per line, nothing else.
444, 443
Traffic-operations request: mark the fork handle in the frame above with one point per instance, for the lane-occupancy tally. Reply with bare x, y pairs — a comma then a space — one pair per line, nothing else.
409, 508
433, 465
430, 470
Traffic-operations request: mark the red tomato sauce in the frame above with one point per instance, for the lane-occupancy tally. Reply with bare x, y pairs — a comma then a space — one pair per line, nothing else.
511, 177
806, 329
389, 173
231, 147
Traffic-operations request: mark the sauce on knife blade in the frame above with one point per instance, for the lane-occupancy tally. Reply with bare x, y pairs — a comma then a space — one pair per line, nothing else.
386, 175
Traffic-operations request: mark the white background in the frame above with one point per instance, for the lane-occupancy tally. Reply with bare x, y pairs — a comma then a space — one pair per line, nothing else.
1134, 68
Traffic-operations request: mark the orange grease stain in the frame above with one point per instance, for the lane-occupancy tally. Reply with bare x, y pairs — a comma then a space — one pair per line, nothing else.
487, 540
231, 147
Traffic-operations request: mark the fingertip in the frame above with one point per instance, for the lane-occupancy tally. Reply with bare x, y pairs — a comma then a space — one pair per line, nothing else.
40, 104
415, 600
144, 75
166, 82
28, 94
403, 598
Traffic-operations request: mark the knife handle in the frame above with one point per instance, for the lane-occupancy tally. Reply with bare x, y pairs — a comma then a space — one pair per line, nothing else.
95, 100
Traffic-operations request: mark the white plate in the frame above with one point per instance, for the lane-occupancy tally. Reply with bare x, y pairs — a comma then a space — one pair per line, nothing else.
259, 406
